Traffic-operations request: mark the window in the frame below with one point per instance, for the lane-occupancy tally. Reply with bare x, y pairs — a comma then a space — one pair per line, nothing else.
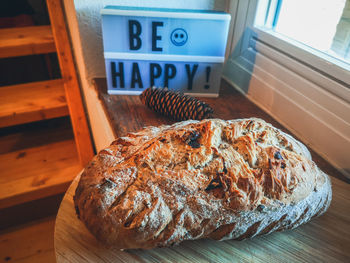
320, 24
320, 29
291, 58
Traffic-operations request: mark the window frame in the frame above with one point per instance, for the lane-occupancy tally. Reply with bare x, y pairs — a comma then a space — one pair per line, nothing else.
266, 16
328, 66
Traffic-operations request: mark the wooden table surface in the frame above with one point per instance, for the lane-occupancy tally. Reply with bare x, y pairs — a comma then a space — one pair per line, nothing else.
324, 239
128, 114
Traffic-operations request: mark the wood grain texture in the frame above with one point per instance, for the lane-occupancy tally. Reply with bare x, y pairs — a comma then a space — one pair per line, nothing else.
22, 41
28, 243
18, 139
21, 214
323, 239
72, 88
37, 172
35, 134
33, 101
121, 109
128, 114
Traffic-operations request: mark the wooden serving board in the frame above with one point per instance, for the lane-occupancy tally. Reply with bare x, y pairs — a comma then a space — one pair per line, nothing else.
324, 239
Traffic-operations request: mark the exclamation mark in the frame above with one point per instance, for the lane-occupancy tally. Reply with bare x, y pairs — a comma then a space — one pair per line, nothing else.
208, 76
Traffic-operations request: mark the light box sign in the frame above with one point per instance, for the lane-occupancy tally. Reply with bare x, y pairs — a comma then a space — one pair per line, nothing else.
180, 49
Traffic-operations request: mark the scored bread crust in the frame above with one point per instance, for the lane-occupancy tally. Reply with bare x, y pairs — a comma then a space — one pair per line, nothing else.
200, 179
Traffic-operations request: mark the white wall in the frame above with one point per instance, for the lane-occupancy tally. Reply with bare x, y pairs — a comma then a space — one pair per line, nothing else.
84, 21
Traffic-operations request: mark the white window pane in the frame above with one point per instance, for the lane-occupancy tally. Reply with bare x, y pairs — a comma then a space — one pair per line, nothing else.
321, 24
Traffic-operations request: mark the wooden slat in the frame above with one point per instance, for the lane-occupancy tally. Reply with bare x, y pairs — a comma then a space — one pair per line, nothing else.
68, 72
21, 41
32, 102
37, 172
35, 134
30, 211
29, 243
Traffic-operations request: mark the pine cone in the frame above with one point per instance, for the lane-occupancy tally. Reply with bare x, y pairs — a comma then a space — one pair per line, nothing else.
175, 104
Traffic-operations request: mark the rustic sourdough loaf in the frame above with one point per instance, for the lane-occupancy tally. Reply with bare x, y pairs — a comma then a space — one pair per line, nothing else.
210, 179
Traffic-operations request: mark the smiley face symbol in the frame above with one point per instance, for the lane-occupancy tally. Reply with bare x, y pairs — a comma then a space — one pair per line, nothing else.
179, 37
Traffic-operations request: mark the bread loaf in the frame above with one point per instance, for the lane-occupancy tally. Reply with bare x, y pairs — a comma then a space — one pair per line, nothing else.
210, 179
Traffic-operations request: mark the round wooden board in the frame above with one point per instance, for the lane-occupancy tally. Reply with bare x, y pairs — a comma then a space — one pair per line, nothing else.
324, 239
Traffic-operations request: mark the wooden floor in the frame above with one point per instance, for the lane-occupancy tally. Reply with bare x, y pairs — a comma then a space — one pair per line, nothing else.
31, 242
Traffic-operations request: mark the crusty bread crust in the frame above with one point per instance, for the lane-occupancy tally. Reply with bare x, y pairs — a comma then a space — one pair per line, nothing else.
209, 179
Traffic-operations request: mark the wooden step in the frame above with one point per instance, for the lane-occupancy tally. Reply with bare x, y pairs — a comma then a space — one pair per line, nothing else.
32, 102
37, 172
22, 41
31, 242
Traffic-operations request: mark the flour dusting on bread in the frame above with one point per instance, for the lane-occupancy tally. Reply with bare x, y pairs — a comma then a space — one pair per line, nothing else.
200, 179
